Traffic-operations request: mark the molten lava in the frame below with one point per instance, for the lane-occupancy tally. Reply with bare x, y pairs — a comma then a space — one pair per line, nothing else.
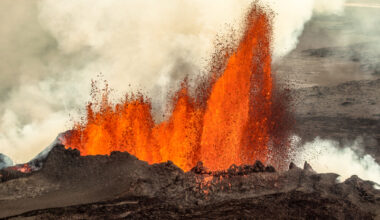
236, 124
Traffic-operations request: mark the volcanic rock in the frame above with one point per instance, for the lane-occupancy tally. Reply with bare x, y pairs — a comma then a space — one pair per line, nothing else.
200, 169
307, 167
292, 166
121, 186
270, 169
258, 166
10, 171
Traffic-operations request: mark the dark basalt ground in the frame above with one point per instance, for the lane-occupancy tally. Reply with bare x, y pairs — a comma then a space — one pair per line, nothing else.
70, 186
293, 205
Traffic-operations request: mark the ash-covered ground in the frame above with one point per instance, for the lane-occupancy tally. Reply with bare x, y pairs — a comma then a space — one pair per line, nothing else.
344, 113
70, 186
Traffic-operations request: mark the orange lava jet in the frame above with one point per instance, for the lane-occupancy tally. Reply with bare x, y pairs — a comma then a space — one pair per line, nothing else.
236, 124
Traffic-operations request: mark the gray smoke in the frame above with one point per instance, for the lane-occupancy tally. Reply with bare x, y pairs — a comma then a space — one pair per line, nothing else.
327, 156
5, 161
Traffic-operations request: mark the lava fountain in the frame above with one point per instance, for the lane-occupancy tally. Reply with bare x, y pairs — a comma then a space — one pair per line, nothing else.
239, 121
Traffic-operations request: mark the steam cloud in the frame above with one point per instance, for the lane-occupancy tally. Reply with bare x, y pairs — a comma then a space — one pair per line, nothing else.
327, 156
50, 50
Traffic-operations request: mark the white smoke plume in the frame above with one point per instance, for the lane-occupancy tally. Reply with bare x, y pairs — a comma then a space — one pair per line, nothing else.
327, 156
50, 50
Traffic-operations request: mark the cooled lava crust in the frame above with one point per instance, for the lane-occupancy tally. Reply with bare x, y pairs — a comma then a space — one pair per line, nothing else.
120, 186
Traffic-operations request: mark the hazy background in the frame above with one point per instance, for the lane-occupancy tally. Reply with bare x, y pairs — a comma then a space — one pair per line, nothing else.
50, 50
336, 48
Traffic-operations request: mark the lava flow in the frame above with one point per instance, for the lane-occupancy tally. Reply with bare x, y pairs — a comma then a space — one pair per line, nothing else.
239, 121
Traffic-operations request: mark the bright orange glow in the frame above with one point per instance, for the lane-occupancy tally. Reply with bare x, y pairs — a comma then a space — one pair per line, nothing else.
235, 126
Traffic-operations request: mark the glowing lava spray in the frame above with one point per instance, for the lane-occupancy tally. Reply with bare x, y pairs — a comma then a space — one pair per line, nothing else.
239, 122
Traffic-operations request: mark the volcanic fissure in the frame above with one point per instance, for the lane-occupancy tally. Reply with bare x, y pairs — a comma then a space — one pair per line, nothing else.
238, 117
